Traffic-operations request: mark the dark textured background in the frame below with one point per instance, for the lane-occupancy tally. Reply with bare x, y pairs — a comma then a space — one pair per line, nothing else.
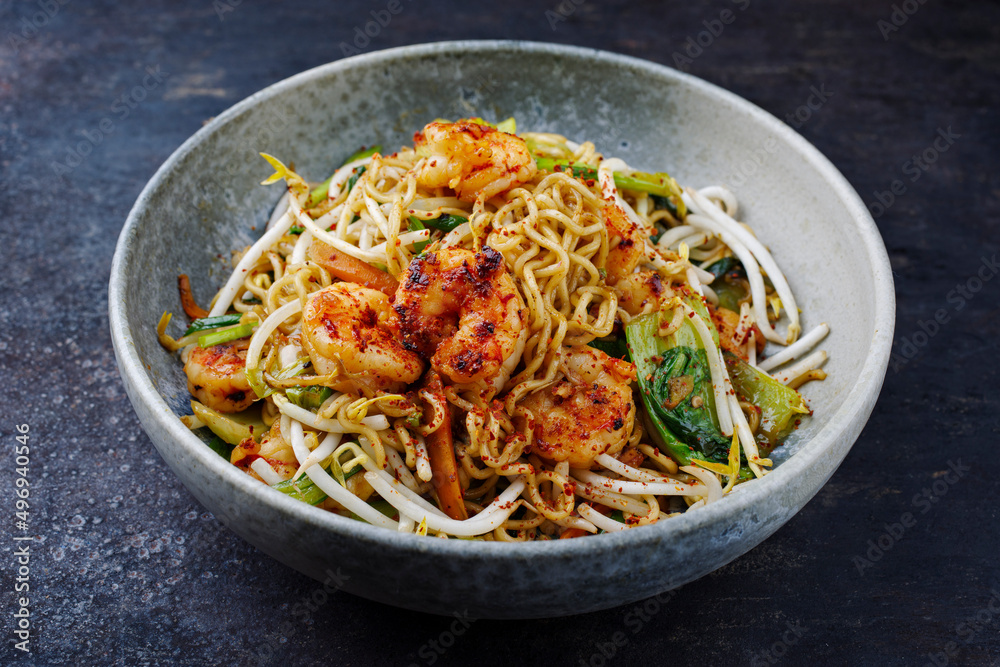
128, 569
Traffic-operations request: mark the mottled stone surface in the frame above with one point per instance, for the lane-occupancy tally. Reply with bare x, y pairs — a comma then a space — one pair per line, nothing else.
129, 570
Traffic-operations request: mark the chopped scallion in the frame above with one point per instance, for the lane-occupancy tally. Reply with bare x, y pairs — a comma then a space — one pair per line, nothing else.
302, 489
225, 335
209, 323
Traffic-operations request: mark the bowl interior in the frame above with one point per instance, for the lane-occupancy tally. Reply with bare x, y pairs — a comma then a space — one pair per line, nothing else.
205, 202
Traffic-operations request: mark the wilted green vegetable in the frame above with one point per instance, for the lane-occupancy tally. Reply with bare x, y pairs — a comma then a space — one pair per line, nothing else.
209, 323
225, 335
659, 184
780, 406
302, 489
220, 447
443, 223
309, 398
227, 427
681, 395
613, 346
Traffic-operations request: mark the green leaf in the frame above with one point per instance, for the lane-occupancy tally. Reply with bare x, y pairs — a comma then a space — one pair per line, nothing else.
730, 282
780, 406
416, 225
443, 223
309, 398
613, 346
682, 396
353, 180
645, 346
649, 351
673, 203
220, 447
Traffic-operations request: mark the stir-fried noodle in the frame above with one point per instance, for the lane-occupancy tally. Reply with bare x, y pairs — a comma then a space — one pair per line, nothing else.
499, 336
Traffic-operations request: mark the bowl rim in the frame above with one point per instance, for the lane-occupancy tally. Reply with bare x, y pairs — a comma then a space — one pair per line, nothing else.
859, 400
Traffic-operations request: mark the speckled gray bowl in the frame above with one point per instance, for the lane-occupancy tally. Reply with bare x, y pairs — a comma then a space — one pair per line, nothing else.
205, 201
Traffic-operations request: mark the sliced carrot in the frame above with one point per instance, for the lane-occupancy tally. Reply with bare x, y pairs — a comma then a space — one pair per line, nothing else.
572, 532
351, 269
191, 309
444, 467
580, 532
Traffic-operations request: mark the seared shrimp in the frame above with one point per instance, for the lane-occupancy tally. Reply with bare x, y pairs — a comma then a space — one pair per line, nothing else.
631, 248
461, 311
472, 159
216, 376
347, 323
727, 322
634, 290
272, 448
588, 413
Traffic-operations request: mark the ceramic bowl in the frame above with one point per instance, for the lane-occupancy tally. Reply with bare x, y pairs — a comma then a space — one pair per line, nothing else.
205, 201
